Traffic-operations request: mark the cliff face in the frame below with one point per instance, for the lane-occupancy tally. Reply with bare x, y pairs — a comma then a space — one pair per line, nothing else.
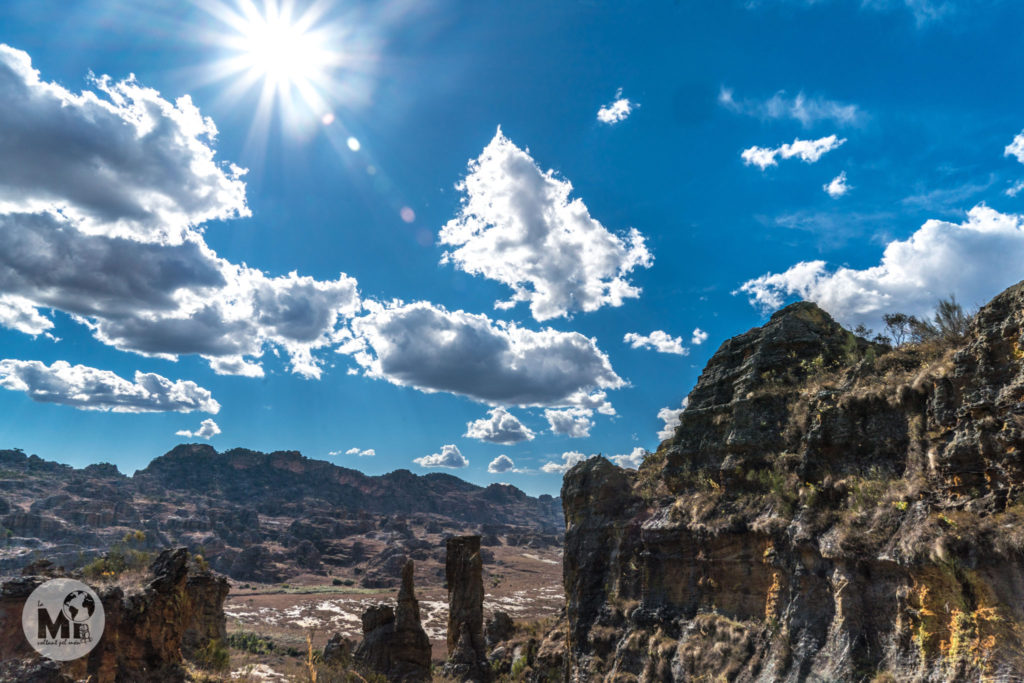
825, 510
177, 613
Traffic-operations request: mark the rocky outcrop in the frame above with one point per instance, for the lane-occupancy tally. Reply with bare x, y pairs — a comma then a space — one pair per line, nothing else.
148, 630
467, 651
827, 509
338, 651
394, 643
536, 650
498, 628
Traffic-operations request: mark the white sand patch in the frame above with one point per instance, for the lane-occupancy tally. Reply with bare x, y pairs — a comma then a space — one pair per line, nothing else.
540, 559
434, 618
260, 672
328, 606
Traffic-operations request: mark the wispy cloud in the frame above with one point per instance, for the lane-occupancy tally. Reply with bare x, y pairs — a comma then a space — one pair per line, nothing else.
923, 11
946, 199
806, 110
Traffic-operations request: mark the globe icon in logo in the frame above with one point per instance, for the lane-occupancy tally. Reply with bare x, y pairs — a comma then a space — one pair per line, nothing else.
63, 619
78, 606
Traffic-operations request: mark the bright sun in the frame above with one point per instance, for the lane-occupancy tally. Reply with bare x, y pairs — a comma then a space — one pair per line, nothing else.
295, 60
281, 50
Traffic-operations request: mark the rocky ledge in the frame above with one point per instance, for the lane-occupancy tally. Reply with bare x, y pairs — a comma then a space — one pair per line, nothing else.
827, 509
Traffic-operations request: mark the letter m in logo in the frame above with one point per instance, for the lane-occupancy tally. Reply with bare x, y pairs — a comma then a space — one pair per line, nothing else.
48, 626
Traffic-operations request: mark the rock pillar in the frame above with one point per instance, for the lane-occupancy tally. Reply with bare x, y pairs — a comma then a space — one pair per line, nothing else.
467, 652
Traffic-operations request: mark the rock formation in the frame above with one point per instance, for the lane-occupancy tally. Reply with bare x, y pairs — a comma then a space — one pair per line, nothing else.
467, 651
826, 510
179, 612
498, 628
394, 642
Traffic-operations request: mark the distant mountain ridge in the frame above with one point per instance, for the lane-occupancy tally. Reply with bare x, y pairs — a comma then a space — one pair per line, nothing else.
258, 516
267, 479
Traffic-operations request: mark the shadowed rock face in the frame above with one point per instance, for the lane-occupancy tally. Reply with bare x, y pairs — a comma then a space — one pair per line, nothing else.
824, 511
147, 630
467, 651
394, 642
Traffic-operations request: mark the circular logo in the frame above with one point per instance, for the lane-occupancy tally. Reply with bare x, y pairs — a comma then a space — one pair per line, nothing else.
63, 619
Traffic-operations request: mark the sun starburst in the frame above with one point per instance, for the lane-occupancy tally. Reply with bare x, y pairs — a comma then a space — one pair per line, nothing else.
301, 65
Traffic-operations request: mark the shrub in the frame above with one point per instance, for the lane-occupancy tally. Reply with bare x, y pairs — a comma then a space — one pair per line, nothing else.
213, 656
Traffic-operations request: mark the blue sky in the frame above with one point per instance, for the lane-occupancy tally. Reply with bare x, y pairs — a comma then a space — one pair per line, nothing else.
447, 232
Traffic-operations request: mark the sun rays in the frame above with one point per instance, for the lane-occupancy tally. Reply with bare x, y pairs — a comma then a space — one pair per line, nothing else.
302, 64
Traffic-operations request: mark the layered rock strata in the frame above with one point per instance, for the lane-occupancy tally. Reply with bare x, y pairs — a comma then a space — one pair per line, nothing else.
827, 509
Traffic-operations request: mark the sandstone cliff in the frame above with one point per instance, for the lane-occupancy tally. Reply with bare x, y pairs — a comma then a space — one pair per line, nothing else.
826, 510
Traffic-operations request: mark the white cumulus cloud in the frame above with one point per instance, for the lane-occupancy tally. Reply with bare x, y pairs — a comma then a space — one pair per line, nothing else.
1016, 148
369, 452
118, 160
670, 416
500, 426
974, 260
699, 337
502, 464
837, 187
617, 110
806, 110
569, 458
207, 430
450, 457
631, 460
518, 226
89, 388
425, 346
808, 151
102, 198
658, 340
572, 422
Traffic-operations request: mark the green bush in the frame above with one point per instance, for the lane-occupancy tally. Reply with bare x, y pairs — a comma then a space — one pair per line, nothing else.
253, 643
213, 656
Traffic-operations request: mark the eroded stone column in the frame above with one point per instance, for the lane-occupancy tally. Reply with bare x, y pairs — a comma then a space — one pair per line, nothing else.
467, 652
